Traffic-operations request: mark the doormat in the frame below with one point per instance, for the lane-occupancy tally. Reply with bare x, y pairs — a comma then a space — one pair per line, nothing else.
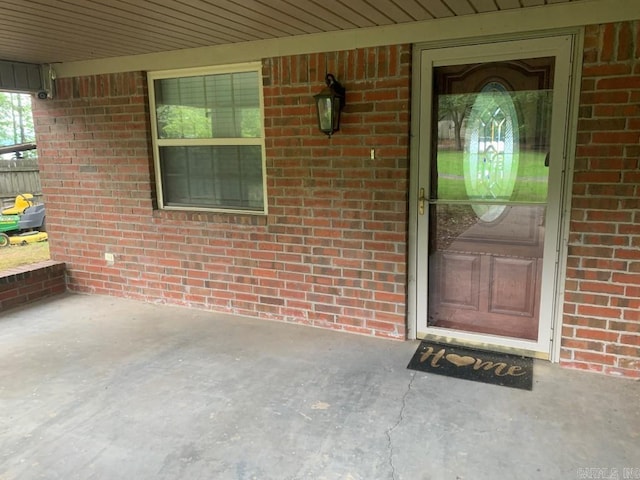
471, 364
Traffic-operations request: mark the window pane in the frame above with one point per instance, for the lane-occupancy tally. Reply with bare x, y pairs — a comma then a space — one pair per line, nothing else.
213, 176
212, 106
493, 137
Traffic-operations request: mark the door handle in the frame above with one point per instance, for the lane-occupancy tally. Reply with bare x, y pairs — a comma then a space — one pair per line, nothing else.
421, 201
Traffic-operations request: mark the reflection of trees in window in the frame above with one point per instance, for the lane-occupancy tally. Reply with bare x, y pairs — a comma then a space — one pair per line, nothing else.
533, 108
179, 121
250, 123
455, 108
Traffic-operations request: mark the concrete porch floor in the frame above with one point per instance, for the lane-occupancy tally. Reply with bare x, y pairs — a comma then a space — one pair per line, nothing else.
102, 388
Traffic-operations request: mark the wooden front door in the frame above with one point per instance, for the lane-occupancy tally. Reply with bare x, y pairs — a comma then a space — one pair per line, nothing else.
490, 169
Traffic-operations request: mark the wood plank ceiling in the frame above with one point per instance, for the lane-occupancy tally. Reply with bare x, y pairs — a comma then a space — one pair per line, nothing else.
48, 31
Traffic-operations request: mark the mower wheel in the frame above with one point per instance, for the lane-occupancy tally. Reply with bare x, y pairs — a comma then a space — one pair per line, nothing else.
4, 240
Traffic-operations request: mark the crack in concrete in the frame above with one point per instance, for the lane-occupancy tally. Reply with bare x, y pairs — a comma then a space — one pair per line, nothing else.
397, 424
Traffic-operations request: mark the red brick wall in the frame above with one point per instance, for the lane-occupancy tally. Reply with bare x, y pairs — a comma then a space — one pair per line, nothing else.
602, 309
331, 252
22, 285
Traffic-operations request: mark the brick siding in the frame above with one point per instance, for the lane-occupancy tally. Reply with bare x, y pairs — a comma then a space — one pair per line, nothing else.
331, 252
602, 303
22, 285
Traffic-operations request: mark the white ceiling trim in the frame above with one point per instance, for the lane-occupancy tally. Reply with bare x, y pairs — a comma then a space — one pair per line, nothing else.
451, 29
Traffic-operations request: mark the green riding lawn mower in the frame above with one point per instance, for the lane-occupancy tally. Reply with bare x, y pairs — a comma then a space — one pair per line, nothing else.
22, 223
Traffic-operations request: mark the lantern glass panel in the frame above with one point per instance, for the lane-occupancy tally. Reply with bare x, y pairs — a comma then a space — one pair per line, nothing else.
336, 114
325, 113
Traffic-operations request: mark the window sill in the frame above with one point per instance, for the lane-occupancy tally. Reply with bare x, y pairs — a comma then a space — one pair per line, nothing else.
233, 218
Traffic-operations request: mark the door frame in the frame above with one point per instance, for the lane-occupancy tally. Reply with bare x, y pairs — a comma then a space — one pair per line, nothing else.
553, 283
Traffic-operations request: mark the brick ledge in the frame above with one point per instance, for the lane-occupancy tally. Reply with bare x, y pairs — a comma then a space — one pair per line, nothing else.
28, 283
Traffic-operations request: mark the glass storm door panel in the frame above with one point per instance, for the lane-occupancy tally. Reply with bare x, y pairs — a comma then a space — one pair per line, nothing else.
487, 176
488, 195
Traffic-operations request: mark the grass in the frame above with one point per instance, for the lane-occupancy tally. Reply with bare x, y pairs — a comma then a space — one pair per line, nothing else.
531, 185
18, 255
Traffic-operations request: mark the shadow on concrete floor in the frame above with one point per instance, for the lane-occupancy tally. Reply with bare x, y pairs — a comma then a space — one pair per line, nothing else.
96, 387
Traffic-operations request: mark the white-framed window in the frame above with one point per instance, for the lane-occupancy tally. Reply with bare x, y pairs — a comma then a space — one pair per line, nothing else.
208, 138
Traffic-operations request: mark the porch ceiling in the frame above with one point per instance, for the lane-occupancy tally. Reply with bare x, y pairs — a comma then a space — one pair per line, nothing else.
50, 31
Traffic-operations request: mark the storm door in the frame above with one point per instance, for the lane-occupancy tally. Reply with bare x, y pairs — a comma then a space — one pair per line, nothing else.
491, 162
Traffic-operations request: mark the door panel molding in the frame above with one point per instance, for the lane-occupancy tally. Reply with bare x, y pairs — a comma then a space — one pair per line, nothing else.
462, 291
513, 281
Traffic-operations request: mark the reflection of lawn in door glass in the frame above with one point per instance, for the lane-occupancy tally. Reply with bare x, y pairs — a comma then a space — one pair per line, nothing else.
530, 187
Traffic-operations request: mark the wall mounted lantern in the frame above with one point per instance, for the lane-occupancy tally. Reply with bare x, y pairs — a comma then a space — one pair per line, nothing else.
329, 103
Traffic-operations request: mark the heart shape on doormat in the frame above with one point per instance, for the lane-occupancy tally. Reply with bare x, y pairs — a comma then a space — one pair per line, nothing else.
460, 360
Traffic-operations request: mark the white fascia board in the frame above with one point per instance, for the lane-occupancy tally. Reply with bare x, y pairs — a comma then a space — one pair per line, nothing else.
547, 17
